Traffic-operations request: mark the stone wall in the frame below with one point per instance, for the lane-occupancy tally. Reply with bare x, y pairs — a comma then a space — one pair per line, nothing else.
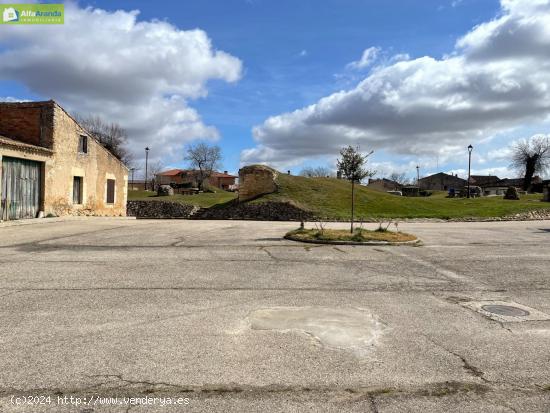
95, 167
256, 180
265, 211
160, 209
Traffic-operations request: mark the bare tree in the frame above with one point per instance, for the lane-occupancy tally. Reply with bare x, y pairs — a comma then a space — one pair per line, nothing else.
154, 169
531, 156
205, 159
111, 135
351, 164
400, 178
316, 172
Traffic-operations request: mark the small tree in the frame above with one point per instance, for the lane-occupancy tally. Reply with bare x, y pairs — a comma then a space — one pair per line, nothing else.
351, 164
530, 157
205, 159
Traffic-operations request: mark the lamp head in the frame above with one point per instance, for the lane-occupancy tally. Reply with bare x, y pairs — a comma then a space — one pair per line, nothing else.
470, 148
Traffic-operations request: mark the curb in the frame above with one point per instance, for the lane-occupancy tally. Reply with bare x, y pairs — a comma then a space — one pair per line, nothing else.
367, 243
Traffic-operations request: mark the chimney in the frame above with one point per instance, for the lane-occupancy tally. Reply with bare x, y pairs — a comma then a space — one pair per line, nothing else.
225, 172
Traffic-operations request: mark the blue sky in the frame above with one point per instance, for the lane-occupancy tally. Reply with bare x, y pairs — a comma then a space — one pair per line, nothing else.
291, 55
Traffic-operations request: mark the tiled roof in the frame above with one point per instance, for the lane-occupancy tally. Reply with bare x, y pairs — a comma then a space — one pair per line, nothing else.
171, 172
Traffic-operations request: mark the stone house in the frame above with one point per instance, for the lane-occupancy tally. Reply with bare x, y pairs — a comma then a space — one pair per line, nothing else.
441, 182
384, 184
51, 165
189, 177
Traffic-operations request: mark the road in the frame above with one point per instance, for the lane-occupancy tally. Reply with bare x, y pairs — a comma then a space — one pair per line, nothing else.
228, 316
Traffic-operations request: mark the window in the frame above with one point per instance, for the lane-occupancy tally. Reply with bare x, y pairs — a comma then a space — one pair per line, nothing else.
110, 191
77, 190
83, 144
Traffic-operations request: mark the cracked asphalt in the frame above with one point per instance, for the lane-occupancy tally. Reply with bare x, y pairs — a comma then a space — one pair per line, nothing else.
123, 308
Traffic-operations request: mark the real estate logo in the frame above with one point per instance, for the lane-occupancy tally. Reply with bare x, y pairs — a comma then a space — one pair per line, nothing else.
32, 13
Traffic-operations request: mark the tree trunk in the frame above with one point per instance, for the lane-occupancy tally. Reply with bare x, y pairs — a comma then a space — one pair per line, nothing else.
352, 203
529, 172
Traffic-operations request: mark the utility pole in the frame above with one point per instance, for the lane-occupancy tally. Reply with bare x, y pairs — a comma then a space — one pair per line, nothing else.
146, 161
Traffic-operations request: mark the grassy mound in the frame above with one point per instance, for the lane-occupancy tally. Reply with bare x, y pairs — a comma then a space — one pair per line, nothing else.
342, 235
331, 198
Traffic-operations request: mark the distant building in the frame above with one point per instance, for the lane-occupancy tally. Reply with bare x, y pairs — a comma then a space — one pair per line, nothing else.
136, 185
499, 188
189, 177
441, 182
384, 184
484, 180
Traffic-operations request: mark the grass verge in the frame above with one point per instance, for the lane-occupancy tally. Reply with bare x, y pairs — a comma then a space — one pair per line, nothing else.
341, 235
203, 200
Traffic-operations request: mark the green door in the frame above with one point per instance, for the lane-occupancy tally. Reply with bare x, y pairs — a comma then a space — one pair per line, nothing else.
20, 190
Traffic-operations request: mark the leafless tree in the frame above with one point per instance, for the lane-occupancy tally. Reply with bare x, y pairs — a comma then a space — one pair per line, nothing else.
400, 178
154, 169
531, 156
316, 172
111, 135
205, 159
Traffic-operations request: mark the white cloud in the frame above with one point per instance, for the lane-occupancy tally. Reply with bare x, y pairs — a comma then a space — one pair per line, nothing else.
496, 79
367, 58
139, 73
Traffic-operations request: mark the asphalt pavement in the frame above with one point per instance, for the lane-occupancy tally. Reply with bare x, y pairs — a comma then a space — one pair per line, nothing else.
117, 315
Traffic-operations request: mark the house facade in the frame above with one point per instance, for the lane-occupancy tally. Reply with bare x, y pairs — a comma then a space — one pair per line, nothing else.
384, 184
189, 177
441, 182
52, 166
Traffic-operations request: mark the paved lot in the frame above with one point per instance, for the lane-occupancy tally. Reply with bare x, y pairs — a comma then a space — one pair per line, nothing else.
200, 310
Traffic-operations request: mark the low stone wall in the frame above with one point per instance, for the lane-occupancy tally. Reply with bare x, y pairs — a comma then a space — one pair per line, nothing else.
160, 209
265, 211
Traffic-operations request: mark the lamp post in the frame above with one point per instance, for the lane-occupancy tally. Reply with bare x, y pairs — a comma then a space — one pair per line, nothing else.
418, 176
146, 161
132, 170
470, 148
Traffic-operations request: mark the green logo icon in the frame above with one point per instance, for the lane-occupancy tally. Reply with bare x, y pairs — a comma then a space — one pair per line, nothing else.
32, 13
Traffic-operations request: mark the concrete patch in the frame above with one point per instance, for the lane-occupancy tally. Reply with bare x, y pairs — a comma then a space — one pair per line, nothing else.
506, 311
352, 329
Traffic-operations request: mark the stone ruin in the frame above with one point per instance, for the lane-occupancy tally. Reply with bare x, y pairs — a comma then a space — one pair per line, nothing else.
256, 180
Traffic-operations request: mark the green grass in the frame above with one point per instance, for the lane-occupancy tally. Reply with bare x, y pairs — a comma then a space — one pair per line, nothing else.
331, 198
204, 200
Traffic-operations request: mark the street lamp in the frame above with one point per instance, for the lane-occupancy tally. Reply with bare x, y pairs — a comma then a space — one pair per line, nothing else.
418, 176
146, 161
470, 148
132, 170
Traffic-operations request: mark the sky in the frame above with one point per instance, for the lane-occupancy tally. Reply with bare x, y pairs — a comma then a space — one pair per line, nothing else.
289, 83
